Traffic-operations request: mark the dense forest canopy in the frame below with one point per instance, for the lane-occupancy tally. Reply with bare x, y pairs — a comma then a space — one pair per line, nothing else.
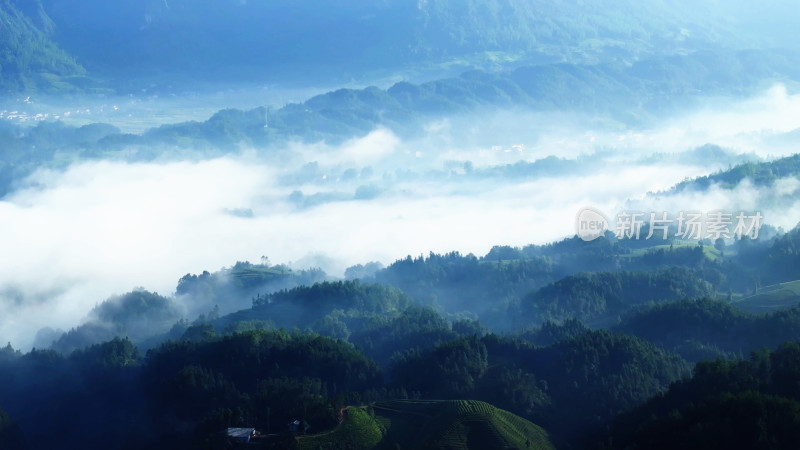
357, 342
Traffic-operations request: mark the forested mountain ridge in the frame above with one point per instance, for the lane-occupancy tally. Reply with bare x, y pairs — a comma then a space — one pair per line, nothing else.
603, 295
526, 288
639, 94
707, 329
760, 174
30, 60
750, 403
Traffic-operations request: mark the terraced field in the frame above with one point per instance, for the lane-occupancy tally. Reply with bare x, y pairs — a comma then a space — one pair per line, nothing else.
358, 430
431, 424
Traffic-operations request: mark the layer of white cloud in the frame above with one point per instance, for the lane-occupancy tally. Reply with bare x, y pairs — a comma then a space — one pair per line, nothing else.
72, 238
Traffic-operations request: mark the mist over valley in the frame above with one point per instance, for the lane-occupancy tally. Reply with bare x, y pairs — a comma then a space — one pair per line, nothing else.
220, 218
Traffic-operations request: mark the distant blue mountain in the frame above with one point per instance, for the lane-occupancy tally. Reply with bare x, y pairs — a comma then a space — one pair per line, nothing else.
169, 41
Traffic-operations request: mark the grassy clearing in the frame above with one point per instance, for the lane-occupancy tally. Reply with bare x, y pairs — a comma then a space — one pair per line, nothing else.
772, 298
708, 250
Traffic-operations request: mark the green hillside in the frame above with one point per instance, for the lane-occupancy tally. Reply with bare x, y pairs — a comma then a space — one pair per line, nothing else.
29, 59
430, 424
772, 298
